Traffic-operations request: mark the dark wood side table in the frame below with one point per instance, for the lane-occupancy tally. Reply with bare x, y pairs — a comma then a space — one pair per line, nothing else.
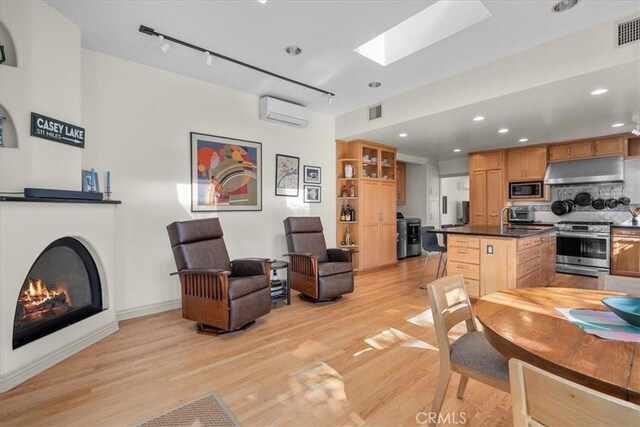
279, 288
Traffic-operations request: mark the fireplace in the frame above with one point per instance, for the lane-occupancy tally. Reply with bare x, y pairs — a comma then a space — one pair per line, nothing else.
61, 288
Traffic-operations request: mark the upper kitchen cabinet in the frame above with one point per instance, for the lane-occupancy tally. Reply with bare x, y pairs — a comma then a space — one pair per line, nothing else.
526, 164
401, 183
633, 148
486, 160
610, 146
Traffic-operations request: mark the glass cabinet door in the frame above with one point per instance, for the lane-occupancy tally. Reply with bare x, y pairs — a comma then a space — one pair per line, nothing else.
387, 165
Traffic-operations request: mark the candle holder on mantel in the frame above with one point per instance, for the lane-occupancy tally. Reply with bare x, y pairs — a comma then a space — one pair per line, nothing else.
107, 193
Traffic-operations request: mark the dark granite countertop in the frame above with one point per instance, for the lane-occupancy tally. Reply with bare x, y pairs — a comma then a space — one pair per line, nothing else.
515, 231
628, 224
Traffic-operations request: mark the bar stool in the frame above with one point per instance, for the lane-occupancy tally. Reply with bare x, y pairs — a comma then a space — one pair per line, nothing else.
430, 244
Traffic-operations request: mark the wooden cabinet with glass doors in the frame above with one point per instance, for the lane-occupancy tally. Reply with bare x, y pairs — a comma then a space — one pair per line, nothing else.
366, 200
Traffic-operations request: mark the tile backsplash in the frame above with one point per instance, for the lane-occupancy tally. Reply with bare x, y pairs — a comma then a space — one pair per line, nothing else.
542, 210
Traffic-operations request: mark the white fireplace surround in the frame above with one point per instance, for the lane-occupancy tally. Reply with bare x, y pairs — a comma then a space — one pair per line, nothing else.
27, 228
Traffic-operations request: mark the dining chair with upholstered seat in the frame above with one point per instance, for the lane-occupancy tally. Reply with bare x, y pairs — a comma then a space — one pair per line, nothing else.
541, 398
471, 355
430, 244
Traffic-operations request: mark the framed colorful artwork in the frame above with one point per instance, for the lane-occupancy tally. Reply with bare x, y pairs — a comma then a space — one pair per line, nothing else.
287, 175
226, 174
312, 174
312, 194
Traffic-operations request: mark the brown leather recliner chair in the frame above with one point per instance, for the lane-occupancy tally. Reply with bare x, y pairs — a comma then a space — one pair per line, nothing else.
320, 274
221, 295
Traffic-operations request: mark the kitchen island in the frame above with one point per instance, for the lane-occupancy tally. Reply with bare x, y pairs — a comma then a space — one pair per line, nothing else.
491, 258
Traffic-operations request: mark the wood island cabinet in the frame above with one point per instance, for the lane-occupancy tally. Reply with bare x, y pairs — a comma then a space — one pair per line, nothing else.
490, 264
625, 252
373, 233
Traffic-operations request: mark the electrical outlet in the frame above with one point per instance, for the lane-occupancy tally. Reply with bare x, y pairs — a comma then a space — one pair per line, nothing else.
490, 249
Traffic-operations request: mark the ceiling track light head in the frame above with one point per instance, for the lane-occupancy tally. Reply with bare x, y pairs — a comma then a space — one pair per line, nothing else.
209, 60
636, 131
329, 99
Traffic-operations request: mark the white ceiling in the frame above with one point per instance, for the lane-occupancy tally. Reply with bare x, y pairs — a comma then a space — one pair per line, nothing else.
559, 111
328, 32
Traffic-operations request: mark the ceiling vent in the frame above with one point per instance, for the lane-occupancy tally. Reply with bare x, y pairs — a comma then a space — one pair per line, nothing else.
283, 112
628, 31
375, 112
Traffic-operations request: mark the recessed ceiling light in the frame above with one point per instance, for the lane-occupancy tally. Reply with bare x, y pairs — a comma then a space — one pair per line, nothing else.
262, 1
293, 50
523, 140
375, 84
478, 118
617, 125
456, 150
402, 135
503, 130
563, 5
599, 91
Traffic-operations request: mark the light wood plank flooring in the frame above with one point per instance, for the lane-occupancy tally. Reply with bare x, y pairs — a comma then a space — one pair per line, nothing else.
358, 360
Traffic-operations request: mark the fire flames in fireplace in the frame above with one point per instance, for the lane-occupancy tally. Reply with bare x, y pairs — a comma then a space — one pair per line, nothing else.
37, 302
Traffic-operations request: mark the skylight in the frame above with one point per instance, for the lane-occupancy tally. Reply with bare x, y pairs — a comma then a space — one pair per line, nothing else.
437, 22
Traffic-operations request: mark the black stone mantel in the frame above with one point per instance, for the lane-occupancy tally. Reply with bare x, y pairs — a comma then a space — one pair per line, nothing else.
16, 198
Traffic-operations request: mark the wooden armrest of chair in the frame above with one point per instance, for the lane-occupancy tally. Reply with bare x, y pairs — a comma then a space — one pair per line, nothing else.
202, 271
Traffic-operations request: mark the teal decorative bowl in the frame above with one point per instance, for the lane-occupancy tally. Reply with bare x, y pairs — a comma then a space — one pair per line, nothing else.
626, 308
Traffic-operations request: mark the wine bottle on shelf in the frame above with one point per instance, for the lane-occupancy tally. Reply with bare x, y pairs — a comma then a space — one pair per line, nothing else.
352, 190
353, 214
344, 190
348, 213
343, 214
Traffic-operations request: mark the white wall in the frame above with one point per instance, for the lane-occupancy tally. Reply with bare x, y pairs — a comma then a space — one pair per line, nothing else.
46, 81
416, 201
139, 119
457, 190
452, 167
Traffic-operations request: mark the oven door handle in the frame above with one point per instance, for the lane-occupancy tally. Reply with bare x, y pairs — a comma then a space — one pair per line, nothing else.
584, 235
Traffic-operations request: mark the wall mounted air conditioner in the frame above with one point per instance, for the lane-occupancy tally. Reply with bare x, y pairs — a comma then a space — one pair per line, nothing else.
283, 112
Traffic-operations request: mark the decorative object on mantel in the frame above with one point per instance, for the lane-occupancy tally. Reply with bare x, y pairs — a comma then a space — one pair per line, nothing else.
90, 181
56, 130
107, 184
226, 174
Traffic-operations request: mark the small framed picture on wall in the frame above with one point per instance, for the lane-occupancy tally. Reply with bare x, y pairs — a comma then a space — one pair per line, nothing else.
287, 175
312, 194
312, 174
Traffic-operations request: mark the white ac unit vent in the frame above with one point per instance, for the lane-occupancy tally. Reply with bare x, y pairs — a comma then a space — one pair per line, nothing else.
629, 31
283, 112
375, 112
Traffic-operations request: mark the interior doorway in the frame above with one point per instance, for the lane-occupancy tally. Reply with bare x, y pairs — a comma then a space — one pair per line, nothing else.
454, 200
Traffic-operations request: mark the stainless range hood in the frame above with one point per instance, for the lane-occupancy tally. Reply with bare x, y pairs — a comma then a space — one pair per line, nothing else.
601, 169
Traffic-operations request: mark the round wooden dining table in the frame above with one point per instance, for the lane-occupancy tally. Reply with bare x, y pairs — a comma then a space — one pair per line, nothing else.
523, 324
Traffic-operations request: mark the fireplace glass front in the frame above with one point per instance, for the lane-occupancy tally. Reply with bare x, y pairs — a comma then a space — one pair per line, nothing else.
61, 288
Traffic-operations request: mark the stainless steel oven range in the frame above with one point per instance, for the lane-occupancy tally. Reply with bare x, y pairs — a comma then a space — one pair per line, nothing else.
583, 247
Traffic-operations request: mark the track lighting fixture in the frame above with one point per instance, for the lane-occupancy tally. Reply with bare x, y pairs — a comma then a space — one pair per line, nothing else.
209, 59
329, 99
164, 47
636, 131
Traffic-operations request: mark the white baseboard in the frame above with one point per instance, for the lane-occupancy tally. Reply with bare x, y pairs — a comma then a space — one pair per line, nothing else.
146, 310
20, 375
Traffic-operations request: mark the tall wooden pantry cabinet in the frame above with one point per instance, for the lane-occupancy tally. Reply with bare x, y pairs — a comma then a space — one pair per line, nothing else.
366, 190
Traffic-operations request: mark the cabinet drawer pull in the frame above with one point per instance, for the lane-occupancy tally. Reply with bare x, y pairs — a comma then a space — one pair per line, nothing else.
462, 267
460, 251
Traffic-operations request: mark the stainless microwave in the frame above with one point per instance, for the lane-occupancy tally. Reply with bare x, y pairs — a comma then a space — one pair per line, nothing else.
526, 190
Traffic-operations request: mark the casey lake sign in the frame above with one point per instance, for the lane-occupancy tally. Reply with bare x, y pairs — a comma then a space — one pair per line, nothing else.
56, 130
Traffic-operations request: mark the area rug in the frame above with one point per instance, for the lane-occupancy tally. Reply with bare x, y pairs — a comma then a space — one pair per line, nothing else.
208, 410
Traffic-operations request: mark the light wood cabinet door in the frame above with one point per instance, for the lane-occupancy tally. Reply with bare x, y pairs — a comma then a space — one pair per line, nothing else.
488, 160
369, 218
583, 149
610, 147
625, 253
494, 195
401, 183
498, 268
515, 165
535, 163
560, 152
388, 224
478, 198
